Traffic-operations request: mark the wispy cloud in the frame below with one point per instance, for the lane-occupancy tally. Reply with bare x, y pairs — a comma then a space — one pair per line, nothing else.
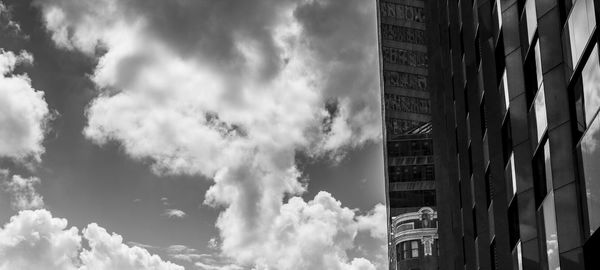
22, 191
164, 201
174, 213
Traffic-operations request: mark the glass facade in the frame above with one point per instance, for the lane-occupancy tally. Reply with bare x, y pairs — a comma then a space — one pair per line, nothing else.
518, 107
581, 22
590, 76
550, 232
590, 155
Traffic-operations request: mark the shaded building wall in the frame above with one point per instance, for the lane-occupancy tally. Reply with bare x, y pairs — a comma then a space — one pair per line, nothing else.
518, 103
408, 145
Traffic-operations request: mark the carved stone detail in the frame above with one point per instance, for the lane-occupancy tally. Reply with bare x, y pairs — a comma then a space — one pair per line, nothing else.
405, 57
403, 12
395, 126
404, 80
402, 34
399, 103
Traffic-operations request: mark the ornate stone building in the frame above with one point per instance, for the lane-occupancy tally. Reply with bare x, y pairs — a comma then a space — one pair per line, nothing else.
414, 234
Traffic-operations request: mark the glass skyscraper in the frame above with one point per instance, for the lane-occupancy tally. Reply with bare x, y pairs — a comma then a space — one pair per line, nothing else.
516, 132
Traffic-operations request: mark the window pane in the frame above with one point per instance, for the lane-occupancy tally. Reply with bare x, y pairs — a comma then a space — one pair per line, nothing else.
499, 13
540, 113
415, 249
511, 177
531, 18
517, 257
504, 93
581, 22
551, 235
548, 167
590, 156
591, 85
538, 64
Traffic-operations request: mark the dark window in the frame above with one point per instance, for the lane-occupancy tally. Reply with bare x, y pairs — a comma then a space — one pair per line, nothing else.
530, 76
477, 50
470, 160
412, 198
489, 195
410, 249
506, 138
542, 173
499, 55
483, 116
474, 213
513, 223
493, 255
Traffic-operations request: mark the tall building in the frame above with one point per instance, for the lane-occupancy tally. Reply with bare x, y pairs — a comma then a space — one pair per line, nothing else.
515, 115
408, 147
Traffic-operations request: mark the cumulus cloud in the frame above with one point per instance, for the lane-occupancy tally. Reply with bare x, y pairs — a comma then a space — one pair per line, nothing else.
107, 251
232, 90
309, 235
23, 110
174, 213
34, 240
22, 191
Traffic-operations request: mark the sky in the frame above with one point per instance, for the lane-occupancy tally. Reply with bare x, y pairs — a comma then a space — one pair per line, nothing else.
190, 134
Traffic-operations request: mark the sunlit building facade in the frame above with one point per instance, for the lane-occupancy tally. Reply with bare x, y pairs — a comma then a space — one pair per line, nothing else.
408, 148
517, 133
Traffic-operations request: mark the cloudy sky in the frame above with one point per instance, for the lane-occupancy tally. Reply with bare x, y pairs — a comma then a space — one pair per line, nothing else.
190, 134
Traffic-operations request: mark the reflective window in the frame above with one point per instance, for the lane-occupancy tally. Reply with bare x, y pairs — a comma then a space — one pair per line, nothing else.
548, 167
414, 245
590, 76
550, 232
511, 177
531, 18
538, 64
517, 257
499, 13
540, 113
590, 156
581, 22
504, 90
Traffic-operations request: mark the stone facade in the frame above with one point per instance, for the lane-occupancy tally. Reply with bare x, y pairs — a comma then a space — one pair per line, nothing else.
408, 147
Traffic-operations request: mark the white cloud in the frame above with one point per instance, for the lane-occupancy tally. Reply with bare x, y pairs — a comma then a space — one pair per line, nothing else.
208, 266
165, 201
23, 111
305, 235
34, 240
375, 222
22, 191
174, 213
231, 91
184, 253
108, 252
